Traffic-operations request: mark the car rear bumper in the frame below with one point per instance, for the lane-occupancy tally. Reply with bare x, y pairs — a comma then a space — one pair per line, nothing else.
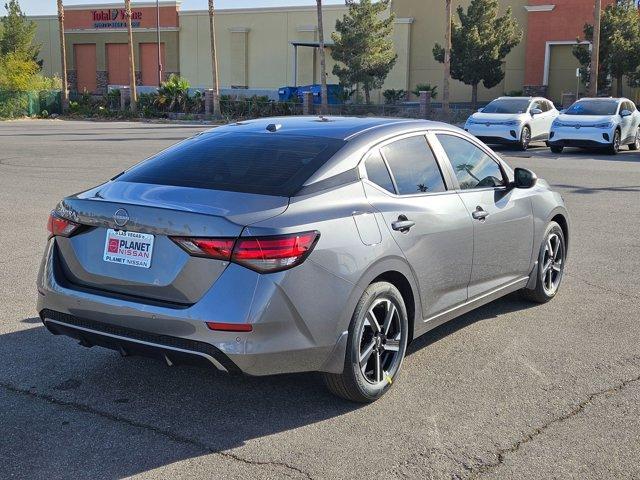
280, 342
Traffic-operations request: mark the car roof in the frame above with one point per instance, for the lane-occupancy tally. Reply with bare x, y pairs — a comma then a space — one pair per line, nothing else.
603, 99
342, 128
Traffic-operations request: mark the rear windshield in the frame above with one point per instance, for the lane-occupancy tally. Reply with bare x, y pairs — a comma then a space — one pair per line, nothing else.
507, 106
597, 107
263, 163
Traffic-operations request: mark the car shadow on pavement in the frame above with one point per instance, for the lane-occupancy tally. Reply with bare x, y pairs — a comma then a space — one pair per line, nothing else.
90, 413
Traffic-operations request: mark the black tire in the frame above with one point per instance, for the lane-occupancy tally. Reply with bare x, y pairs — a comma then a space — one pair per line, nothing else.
614, 147
541, 293
556, 149
353, 383
635, 145
525, 138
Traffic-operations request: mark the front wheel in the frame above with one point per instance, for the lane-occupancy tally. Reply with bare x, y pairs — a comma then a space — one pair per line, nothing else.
614, 147
525, 138
556, 149
376, 346
636, 141
550, 268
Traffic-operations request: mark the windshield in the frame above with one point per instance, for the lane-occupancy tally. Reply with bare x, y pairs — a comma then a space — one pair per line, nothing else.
268, 164
596, 107
507, 105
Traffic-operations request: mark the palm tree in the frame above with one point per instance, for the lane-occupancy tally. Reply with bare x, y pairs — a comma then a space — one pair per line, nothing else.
132, 66
447, 58
214, 61
63, 57
324, 107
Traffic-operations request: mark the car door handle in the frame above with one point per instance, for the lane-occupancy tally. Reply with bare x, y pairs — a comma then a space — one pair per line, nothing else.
403, 224
479, 213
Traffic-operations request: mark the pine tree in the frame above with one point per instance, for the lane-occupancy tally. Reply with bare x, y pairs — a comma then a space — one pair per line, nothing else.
479, 44
18, 33
619, 46
363, 46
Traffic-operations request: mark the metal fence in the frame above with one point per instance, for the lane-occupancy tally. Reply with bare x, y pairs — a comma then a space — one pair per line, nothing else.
20, 104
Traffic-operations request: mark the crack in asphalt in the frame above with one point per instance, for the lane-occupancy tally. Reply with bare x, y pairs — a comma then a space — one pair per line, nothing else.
173, 436
601, 287
576, 410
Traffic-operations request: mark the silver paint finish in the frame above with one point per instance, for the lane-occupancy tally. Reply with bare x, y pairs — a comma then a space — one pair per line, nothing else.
300, 316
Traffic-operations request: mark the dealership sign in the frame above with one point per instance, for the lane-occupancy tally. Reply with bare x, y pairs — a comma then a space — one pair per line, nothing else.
115, 18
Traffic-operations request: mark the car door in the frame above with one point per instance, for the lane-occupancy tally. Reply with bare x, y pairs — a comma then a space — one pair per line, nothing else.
502, 216
537, 121
425, 216
626, 123
549, 116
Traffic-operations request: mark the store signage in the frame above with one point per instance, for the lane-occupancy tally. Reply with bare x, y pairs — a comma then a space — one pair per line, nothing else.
115, 18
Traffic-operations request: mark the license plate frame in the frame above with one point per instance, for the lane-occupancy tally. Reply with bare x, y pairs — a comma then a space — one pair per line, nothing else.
128, 248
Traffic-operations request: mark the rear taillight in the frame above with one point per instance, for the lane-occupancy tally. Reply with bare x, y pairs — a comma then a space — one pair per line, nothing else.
61, 227
262, 254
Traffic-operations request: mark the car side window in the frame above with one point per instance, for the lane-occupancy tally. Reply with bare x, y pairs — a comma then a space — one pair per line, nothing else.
413, 166
537, 105
472, 166
377, 171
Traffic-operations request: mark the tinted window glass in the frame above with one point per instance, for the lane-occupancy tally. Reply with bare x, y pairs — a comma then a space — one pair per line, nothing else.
377, 171
538, 105
593, 107
507, 105
413, 166
473, 167
264, 163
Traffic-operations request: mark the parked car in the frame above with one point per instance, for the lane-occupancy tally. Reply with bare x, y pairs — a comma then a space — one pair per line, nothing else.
513, 121
300, 244
597, 123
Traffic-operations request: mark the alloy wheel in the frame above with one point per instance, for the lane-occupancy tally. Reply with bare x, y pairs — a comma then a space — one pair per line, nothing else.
525, 138
552, 264
616, 141
379, 341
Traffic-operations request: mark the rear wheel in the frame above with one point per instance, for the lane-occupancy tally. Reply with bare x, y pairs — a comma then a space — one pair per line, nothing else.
525, 138
614, 147
376, 346
556, 149
636, 141
550, 268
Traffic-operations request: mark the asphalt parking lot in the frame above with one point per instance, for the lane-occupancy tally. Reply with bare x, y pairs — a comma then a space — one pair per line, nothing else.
512, 390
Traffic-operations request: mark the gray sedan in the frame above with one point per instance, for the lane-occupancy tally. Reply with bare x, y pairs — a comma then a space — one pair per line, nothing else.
299, 244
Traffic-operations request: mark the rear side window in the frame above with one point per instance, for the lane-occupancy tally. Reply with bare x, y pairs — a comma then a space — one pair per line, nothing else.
268, 164
413, 166
377, 171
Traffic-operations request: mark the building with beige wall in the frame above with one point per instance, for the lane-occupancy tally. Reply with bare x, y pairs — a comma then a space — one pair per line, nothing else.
256, 46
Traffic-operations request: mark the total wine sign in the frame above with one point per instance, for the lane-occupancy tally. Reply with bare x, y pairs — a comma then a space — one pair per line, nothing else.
115, 18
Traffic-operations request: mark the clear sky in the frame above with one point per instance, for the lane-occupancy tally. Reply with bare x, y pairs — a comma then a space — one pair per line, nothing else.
47, 7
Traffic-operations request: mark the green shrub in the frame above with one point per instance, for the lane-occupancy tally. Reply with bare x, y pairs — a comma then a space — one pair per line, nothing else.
393, 96
425, 87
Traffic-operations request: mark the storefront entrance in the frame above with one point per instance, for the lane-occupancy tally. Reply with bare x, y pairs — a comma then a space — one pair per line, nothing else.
118, 63
85, 61
149, 62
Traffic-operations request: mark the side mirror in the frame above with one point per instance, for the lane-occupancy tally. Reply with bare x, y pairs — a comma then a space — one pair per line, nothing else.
480, 110
524, 178
535, 111
625, 113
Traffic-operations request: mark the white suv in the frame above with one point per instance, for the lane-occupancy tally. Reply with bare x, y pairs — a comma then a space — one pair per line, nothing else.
513, 120
597, 123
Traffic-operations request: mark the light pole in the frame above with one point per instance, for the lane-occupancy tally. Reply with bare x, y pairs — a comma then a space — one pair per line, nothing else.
595, 50
159, 44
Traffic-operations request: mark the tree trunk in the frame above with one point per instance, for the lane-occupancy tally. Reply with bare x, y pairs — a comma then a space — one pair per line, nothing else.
324, 107
367, 95
132, 67
474, 96
447, 59
595, 51
619, 85
63, 58
214, 61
